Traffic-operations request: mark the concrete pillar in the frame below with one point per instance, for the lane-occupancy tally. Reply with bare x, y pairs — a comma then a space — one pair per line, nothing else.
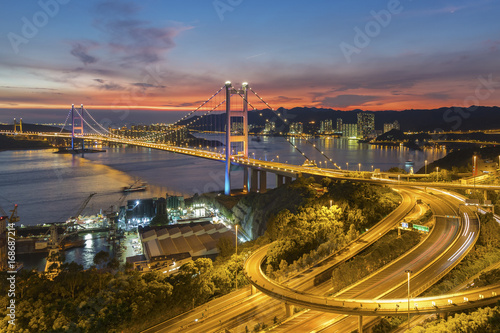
253, 290
360, 324
289, 308
288, 180
254, 181
263, 182
245, 180
279, 180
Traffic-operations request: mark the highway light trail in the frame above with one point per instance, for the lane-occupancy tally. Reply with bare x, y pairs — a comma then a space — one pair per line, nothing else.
463, 247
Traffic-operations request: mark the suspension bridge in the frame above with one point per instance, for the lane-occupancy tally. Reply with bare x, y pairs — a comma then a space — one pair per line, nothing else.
224, 115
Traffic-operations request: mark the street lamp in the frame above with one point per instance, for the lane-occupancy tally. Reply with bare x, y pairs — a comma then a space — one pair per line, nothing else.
437, 174
236, 277
359, 167
425, 166
474, 171
372, 168
347, 166
277, 156
408, 272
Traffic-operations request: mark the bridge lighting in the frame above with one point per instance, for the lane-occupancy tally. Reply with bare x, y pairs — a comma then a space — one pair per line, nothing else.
244, 84
228, 83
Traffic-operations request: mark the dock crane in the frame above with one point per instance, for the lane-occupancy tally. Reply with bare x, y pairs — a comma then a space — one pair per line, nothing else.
83, 205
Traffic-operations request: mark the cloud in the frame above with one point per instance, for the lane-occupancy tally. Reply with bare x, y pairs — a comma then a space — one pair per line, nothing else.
285, 99
116, 7
146, 85
343, 101
111, 86
80, 51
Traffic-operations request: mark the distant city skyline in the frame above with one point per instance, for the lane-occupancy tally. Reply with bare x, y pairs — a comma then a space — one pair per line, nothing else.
170, 55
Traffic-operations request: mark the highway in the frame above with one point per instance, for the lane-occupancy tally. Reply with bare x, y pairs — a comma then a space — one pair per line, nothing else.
391, 282
454, 250
262, 308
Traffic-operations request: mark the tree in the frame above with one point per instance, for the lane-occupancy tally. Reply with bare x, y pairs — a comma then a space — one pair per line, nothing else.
159, 220
226, 246
101, 258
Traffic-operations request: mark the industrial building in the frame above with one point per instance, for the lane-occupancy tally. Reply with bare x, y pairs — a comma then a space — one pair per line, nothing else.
197, 239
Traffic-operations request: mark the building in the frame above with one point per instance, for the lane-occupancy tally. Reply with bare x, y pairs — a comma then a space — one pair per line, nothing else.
390, 126
270, 127
175, 202
197, 239
339, 124
142, 211
350, 130
296, 128
366, 125
325, 126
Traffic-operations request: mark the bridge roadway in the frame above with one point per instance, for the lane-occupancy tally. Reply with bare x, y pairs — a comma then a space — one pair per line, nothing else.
283, 169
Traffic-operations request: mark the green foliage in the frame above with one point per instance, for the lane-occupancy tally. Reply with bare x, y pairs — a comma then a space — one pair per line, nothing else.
397, 170
302, 232
482, 320
226, 247
74, 302
388, 248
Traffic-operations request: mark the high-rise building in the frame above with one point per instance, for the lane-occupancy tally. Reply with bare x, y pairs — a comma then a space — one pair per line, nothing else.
296, 128
366, 124
325, 126
270, 127
350, 130
339, 124
391, 126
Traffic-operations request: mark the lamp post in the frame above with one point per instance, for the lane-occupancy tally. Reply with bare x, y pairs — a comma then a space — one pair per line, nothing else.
474, 171
236, 277
277, 156
372, 168
359, 167
425, 166
437, 174
408, 272
347, 166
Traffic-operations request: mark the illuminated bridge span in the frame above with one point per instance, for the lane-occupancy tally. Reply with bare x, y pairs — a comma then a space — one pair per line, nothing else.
233, 129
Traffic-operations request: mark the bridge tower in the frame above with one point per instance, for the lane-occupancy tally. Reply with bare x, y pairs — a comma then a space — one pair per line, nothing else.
236, 136
20, 125
76, 126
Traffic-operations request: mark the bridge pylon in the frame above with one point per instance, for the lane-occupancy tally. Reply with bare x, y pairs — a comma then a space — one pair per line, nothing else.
20, 125
236, 133
76, 126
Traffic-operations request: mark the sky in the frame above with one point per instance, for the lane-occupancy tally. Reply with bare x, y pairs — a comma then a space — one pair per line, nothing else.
171, 55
